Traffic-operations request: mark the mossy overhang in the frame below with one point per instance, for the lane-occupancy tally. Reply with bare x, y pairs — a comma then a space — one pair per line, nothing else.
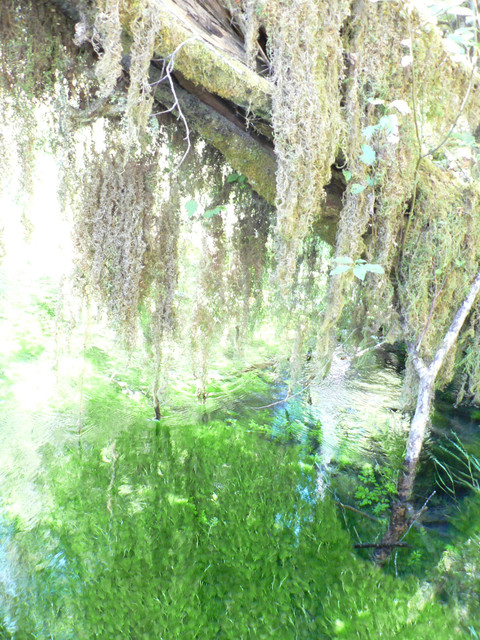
211, 59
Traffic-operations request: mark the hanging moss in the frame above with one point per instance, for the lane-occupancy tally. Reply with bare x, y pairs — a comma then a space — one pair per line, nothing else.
35, 50
113, 215
249, 260
307, 71
338, 87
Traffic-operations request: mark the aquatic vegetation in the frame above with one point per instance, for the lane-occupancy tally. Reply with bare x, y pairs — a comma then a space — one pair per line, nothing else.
179, 530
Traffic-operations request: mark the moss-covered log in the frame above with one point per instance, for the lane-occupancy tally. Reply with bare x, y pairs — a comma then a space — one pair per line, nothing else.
247, 154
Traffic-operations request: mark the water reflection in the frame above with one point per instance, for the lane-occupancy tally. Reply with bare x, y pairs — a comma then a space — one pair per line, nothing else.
356, 408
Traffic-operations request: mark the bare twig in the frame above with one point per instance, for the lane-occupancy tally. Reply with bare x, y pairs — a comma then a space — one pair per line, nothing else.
418, 514
379, 545
362, 352
167, 71
288, 397
355, 510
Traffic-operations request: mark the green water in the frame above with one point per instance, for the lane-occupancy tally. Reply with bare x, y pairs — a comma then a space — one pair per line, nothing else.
208, 524
193, 532
144, 529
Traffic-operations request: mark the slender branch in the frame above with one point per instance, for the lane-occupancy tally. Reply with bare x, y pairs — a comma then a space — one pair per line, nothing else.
355, 510
362, 352
379, 545
167, 70
454, 329
288, 397
454, 123
419, 513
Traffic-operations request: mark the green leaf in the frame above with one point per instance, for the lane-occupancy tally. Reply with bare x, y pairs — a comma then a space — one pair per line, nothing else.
453, 47
370, 181
401, 106
386, 123
368, 155
375, 268
343, 260
466, 137
347, 175
213, 212
467, 34
369, 131
360, 271
191, 206
357, 188
233, 177
342, 268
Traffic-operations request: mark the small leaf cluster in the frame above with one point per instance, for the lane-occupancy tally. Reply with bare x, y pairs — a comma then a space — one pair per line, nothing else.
388, 125
463, 24
374, 491
360, 267
191, 208
238, 178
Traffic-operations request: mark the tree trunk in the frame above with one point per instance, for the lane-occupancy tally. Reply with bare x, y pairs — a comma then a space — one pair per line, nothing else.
399, 522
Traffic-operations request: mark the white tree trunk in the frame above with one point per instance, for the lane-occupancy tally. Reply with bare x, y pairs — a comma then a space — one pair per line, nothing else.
399, 522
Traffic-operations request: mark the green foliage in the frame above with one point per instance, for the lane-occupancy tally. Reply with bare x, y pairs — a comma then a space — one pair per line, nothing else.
459, 22
209, 213
359, 268
357, 188
238, 178
386, 124
376, 489
191, 207
368, 155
